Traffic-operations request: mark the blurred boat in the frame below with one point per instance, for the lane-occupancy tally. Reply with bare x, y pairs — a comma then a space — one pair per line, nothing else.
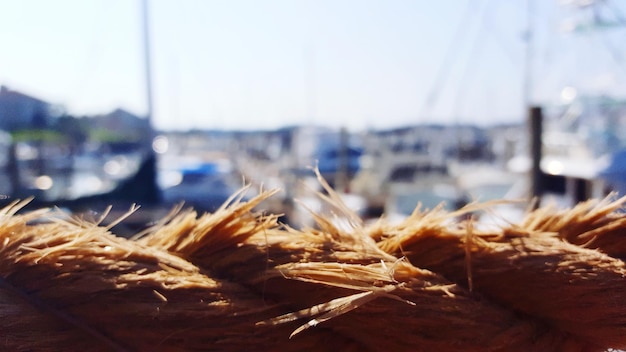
204, 184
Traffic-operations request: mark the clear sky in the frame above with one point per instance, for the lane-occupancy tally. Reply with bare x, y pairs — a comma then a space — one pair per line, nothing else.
242, 64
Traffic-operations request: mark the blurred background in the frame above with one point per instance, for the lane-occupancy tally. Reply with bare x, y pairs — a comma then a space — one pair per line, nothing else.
397, 103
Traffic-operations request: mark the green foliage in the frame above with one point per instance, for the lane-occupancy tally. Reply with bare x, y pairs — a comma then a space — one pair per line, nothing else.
106, 136
76, 131
38, 135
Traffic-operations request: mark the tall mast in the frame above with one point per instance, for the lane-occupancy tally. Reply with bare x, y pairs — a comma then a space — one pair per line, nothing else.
528, 57
535, 116
148, 173
147, 64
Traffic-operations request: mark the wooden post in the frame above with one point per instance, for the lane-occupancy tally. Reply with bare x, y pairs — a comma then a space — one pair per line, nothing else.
14, 172
342, 178
536, 131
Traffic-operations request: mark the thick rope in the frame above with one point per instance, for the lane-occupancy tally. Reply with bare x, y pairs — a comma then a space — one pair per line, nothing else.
236, 278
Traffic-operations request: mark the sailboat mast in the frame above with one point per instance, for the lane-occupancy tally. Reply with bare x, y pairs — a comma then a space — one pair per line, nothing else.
528, 57
535, 116
147, 63
148, 172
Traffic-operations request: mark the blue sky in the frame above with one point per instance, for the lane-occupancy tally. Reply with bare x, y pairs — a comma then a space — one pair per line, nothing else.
263, 64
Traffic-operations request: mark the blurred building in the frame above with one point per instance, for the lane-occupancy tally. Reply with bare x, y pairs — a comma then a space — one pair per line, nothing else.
124, 124
20, 111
